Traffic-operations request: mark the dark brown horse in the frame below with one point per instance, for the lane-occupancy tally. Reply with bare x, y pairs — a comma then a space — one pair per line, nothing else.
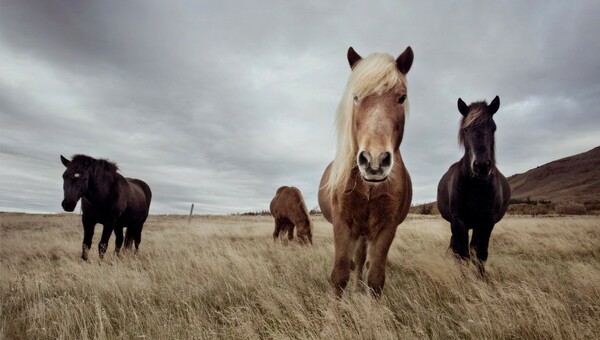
106, 198
366, 191
473, 194
289, 210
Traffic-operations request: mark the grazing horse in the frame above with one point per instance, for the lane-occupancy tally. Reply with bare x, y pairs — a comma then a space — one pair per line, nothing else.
473, 194
366, 191
107, 198
289, 210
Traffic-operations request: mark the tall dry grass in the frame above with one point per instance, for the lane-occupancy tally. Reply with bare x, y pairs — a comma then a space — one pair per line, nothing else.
224, 278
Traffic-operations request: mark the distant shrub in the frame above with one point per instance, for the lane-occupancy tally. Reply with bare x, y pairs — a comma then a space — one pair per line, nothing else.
592, 207
426, 209
253, 213
570, 208
528, 201
315, 211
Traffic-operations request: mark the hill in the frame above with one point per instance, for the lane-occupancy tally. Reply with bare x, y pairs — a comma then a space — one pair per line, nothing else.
575, 178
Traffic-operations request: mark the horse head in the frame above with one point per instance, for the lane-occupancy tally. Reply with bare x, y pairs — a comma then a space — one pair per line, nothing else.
75, 182
477, 136
379, 109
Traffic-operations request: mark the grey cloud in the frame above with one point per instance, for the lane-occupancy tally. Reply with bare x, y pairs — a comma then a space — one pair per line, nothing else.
218, 104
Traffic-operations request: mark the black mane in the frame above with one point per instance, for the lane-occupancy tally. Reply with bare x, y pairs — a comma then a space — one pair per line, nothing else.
95, 165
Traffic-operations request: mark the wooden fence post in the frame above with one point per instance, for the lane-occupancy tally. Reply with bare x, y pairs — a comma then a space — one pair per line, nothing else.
191, 212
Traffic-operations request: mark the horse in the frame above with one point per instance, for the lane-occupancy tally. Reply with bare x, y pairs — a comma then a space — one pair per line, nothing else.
366, 191
289, 210
473, 193
107, 198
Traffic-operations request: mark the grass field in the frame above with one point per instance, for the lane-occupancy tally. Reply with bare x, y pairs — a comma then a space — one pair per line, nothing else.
223, 277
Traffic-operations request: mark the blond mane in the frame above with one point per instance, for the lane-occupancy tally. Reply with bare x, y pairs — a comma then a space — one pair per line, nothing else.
374, 74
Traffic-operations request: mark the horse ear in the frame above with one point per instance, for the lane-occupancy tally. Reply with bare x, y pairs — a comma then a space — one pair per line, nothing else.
353, 57
463, 108
494, 105
405, 60
64, 161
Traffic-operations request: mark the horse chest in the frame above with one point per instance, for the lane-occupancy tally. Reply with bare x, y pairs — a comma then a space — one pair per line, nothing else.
477, 203
365, 213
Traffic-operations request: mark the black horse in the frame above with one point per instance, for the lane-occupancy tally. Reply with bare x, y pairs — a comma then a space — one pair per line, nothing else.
107, 198
473, 194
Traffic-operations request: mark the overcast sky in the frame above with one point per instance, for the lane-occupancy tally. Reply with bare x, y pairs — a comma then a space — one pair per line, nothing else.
219, 103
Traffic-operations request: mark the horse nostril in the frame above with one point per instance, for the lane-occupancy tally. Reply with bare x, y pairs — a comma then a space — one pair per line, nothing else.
482, 167
387, 159
363, 159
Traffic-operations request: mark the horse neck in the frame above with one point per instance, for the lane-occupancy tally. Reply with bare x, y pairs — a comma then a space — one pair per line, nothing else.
100, 186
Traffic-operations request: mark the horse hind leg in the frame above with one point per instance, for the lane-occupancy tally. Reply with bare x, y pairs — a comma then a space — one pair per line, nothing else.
118, 239
129, 238
290, 232
278, 228
138, 237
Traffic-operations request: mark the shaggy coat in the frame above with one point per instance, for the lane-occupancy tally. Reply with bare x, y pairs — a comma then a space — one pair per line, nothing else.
289, 211
366, 191
107, 198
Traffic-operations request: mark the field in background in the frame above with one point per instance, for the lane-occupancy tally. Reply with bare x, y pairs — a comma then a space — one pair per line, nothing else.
222, 277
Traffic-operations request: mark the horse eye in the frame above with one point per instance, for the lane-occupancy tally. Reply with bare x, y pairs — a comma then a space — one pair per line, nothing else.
401, 99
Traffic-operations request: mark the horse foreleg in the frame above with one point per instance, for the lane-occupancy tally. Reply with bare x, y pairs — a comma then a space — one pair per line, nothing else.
460, 238
482, 248
103, 245
344, 246
360, 256
88, 234
377, 258
474, 243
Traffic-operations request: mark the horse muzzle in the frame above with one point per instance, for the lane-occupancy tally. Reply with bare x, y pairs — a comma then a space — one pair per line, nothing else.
481, 170
68, 206
374, 169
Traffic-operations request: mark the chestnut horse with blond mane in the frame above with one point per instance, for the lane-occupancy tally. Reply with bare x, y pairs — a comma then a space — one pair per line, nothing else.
366, 191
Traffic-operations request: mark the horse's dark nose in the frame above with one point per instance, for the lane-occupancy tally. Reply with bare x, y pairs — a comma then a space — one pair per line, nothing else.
67, 206
482, 168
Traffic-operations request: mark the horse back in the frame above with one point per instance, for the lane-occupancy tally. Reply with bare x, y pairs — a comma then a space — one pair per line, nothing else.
288, 203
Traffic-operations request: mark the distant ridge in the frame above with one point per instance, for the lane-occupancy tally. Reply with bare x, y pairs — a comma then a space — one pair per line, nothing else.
575, 178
